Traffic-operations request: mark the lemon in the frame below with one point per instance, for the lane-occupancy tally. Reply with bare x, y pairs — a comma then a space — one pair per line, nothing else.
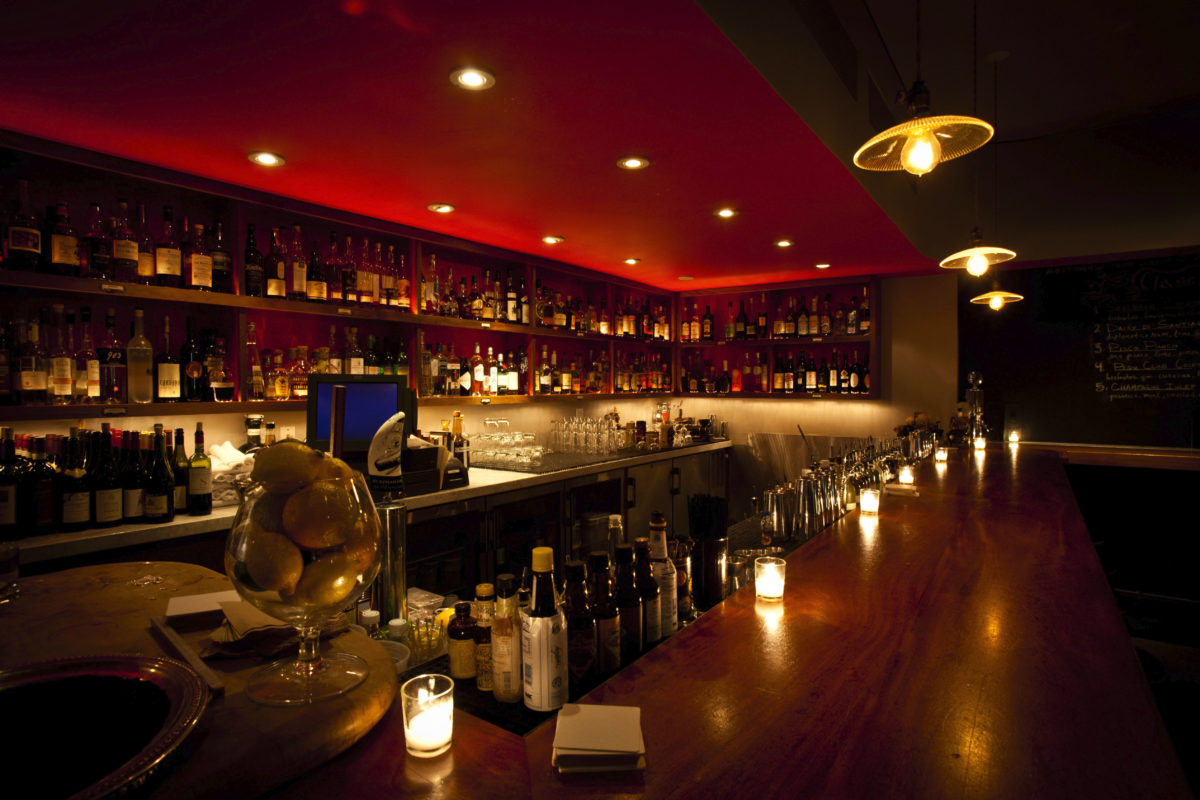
285, 466
319, 516
333, 468
362, 543
272, 561
326, 581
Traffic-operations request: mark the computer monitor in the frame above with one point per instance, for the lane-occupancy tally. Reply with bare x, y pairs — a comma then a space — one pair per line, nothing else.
370, 401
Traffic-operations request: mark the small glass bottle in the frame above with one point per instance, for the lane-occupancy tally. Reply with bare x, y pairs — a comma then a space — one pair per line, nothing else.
506, 641
485, 607
629, 606
460, 644
581, 630
648, 589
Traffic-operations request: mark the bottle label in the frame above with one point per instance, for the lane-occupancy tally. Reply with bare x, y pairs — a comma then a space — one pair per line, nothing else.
356, 366
652, 618
64, 249
156, 505
665, 576
133, 502
201, 270
124, 250
462, 657
199, 480
26, 239
581, 651
315, 290
853, 380
168, 261
8, 505
504, 666
464, 380
108, 505
76, 507
513, 381
276, 287
335, 365
33, 380
62, 377
145, 262
478, 373
168, 381
181, 493
92, 377
544, 661
483, 666
608, 650
300, 278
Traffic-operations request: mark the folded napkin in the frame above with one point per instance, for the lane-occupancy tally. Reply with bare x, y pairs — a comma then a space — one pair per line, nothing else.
248, 631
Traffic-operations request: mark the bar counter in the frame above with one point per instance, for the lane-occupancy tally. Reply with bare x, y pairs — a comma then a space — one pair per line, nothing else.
963, 644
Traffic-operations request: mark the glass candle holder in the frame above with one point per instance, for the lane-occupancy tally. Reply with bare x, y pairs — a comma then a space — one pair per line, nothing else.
1014, 436
428, 714
768, 577
868, 501
980, 443
942, 454
906, 475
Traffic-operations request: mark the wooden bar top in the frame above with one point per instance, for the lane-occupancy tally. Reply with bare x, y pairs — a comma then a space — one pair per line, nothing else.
963, 644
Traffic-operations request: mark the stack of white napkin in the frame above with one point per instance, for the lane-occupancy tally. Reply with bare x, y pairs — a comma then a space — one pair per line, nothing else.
228, 463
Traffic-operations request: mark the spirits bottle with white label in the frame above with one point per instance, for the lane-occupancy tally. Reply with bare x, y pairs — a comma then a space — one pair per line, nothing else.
544, 638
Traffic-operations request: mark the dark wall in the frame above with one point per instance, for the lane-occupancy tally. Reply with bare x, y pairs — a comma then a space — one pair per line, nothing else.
1102, 354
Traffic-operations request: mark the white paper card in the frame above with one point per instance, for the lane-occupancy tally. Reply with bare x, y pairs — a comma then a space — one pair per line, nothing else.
200, 603
594, 728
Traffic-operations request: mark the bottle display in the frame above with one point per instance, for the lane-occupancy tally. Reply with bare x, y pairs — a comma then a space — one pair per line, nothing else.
544, 638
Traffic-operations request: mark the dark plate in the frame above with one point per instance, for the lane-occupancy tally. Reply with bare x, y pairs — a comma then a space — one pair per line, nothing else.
94, 727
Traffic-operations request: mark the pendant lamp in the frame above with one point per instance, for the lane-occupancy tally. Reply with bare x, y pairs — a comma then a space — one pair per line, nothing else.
997, 298
920, 144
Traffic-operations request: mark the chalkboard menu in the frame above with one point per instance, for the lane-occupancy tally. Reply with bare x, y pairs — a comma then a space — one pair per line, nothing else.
1100, 353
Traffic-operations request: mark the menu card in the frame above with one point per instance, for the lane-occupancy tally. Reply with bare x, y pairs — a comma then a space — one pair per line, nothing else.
593, 738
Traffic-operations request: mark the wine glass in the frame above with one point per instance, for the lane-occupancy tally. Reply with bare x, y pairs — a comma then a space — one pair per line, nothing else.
303, 555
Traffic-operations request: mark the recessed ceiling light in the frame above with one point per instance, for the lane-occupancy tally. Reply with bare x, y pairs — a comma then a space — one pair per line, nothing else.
632, 261
473, 78
633, 162
687, 277
440, 208
267, 159
726, 213
553, 239
784, 243
822, 266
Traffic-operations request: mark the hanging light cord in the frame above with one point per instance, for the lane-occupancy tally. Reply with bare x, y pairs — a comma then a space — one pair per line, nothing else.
996, 149
886, 50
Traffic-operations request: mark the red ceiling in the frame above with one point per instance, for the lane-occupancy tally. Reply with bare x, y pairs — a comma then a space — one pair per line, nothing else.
356, 95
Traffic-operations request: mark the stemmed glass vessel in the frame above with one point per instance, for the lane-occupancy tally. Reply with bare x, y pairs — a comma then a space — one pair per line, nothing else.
302, 555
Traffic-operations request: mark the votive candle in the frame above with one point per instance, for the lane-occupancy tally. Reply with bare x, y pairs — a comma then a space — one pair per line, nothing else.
769, 577
868, 501
428, 714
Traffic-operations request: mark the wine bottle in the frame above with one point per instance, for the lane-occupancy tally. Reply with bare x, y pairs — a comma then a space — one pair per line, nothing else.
629, 605
168, 385
506, 642
199, 478
72, 489
133, 482
544, 638
179, 469
581, 631
10, 479
160, 483
739, 322
254, 283
35, 509
107, 497
168, 258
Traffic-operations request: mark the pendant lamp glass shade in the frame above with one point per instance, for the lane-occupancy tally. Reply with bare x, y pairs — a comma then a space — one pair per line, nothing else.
919, 145
997, 299
978, 257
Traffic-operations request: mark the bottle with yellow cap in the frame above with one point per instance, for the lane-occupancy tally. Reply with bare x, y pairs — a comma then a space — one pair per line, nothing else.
544, 638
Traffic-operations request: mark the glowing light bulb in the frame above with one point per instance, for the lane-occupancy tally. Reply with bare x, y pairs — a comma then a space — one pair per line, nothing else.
996, 303
977, 264
921, 153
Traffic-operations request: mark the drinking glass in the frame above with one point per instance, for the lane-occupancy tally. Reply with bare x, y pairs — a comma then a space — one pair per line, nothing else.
302, 556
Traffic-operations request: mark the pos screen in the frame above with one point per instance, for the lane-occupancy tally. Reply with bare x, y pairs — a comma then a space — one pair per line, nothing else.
370, 401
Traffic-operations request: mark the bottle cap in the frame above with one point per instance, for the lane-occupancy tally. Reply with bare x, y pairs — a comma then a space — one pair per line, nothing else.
576, 571
598, 561
370, 617
506, 585
614, 520
657, 520
484, 591
462, 609
543, 559
641, 544
624, 553
397, 629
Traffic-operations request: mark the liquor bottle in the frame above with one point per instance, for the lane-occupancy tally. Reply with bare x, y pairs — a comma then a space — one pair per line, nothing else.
526, 306
276, 267
779, 326
348, 273
63, 252
194, 376
32, 362
371, 361
852, 317
485, 610
789, 374
298, 374
111, 357
221, 383
735, 380
545, 376
823, 376
606, 615
811, 384
502, 371
221, 261
363, 276
730, 325
814, 319
35, 493
544, 638
839, 320
354, 362
506, 641
460, 643
706, 325
629, 605
802, 318
198, 263
762, 325
134, 480
199, 478
168, 259
8, 389
96, 248
255, 385
123, 254
478, 373
62, 363
388, 275
297, 268
403, 285
777, 374
844, 376
834, 376
751, 322
160, 483
826, 319
168, 383
865, 380
107, 496
789, 322
739, 322
72, 490
23, 238
146, 260
254, 274
864, 315
179, 470
10, 478
512, 304
378, 267
581, 631
856, 376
